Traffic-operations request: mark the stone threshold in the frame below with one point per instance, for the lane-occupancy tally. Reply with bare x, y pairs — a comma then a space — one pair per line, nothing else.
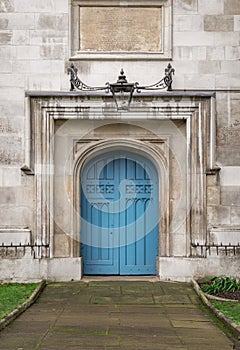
119, 278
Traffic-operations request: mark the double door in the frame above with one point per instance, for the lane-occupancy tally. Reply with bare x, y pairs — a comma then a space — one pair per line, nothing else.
119, 215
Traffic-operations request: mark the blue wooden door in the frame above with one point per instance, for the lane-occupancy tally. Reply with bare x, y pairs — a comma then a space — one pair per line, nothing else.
119, 215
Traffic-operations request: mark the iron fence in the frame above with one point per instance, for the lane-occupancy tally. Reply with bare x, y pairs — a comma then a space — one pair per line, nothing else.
36, 250
209, 248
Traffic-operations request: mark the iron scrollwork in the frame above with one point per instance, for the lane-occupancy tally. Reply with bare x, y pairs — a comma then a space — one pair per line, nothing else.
77, 83
165, 82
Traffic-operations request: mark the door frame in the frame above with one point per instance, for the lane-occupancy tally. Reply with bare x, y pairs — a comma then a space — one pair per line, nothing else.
159, 156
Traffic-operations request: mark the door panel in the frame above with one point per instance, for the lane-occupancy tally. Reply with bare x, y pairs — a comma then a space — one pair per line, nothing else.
119, 215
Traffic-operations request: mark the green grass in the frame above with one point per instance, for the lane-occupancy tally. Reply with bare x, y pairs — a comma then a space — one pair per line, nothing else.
229, 309
14, 294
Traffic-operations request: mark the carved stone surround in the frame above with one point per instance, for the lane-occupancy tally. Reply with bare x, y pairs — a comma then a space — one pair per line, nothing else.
49, 112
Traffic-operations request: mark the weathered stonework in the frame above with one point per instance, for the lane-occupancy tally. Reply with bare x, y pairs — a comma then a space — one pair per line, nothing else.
127, 32
218, 23
38, 39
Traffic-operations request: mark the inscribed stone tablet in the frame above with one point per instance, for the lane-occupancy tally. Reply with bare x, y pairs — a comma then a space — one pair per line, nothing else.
121, 29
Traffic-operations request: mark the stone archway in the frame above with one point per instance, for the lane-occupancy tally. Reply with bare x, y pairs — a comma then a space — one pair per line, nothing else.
153, 154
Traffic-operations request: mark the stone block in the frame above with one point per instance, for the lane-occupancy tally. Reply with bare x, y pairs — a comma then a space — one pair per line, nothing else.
46, 37
232, 7
218, 215
63, 270
3, 23
185, 6
225, 39
212, 7
7, 52
213, 195
215, 53
11, 80
228, 156
188, 53
61, 245
6, 5
186, 23
237, 23
54, 51
34, 270
212, 180
230, 176
21, 37
43, 82
13, 109
224, 235
11, 177
185, 269
7, 196
28, 52
186, 67
16, 216
1, 177
15, 235
38, 66
19, 20
178, 245
218, 23
230, 67
5, 38
235, 217
222, 109
10, 150
199, 38
24, 195
209, 67
5, 66
228, 81
230, 195
52, 22
34, 6
15, 93
228, 135
195, 81
61, 6
235, 108
232, 52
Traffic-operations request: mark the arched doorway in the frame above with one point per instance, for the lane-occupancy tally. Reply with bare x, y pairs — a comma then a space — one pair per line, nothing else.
119, 215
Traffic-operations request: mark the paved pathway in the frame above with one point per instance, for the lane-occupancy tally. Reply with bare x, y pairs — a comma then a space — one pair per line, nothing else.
115, 315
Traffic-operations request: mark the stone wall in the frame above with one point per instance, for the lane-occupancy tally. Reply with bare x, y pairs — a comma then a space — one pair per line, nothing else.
35, 48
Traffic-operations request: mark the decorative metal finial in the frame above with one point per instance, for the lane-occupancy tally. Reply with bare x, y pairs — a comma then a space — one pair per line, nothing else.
122, 78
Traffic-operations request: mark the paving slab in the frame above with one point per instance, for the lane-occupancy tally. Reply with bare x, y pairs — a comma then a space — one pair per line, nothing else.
121, 314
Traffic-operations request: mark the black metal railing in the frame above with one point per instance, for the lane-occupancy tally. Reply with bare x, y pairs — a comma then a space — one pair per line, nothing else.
217, 248
37, 250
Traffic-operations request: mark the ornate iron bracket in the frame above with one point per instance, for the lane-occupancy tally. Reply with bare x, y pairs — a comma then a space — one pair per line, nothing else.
122, 91
77, 83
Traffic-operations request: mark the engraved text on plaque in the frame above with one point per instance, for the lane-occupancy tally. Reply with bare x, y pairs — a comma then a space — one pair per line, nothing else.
120, 29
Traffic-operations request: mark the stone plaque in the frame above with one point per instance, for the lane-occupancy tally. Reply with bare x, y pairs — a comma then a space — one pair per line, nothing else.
120, 29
